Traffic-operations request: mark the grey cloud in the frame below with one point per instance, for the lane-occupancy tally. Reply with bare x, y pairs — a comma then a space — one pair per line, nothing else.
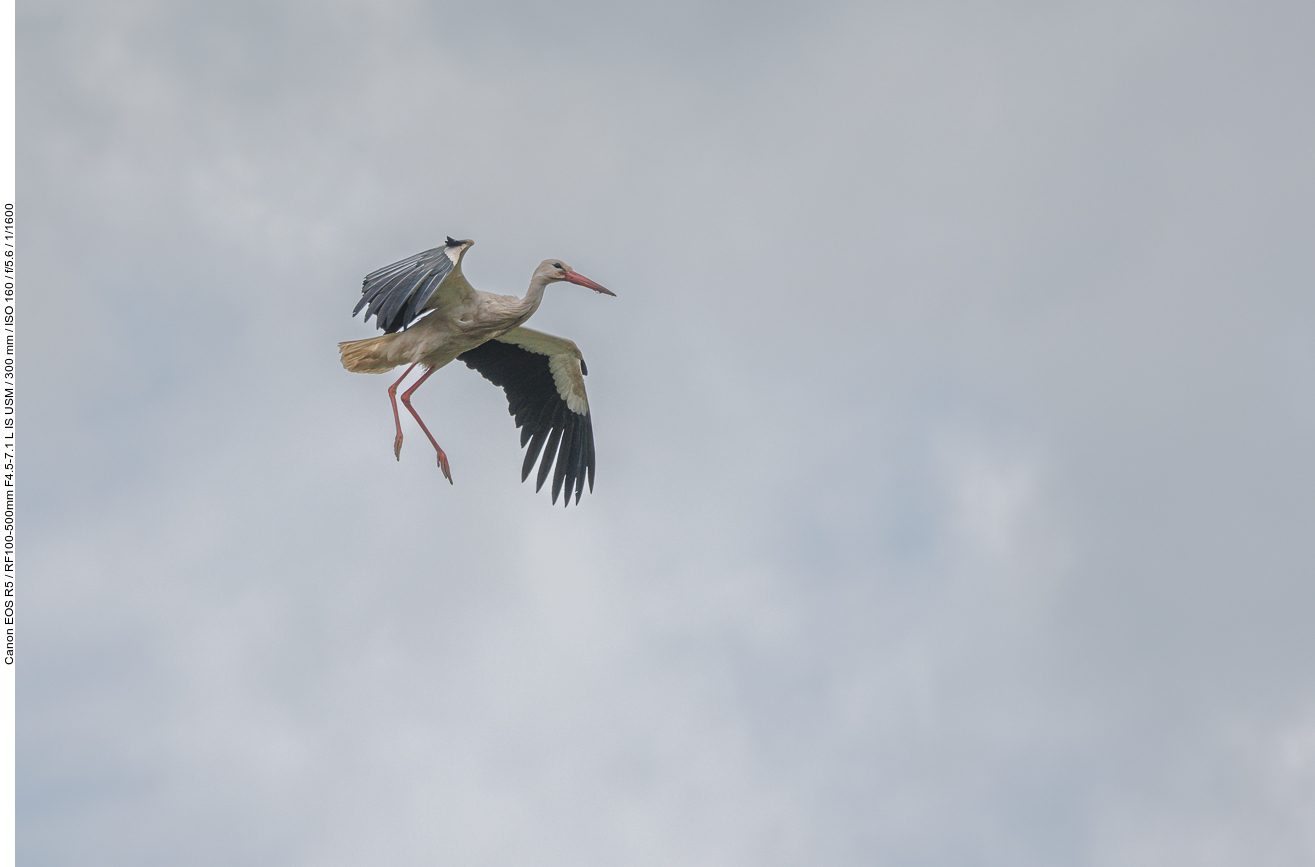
952, 417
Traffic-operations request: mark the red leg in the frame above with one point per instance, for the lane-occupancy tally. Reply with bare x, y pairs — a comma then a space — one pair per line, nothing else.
392, 398
406, 399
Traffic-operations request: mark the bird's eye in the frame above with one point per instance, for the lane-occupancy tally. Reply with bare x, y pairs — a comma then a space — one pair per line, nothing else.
558, 265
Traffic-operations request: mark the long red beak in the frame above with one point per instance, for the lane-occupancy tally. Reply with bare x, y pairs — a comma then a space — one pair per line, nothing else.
581, 280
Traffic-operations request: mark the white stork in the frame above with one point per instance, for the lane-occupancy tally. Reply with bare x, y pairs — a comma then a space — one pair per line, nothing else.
430, 315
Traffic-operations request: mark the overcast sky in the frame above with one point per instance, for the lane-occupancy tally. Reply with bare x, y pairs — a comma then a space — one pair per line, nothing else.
955, 500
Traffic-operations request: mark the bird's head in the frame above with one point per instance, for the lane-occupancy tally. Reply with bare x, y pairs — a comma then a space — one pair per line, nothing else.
555, 270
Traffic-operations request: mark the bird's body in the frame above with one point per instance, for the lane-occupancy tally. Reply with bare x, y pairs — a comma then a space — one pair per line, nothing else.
452, 326
433, 315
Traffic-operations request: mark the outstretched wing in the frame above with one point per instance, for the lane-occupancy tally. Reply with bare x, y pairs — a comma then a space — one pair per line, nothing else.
396, 294
543, 377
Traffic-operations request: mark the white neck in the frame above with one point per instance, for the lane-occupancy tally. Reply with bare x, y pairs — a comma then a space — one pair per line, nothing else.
534, 295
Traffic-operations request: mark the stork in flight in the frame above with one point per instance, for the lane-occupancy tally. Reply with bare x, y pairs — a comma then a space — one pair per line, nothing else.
430, 315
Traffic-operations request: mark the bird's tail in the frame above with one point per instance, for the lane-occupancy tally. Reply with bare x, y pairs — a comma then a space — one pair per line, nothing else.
369, 355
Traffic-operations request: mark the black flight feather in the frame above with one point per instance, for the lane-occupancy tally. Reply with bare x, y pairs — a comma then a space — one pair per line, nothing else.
576, 482
549, 452
563, 460
532, 453
551, 432
396, 294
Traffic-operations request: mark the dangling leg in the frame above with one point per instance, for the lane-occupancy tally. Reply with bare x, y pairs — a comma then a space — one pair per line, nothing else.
406, 399
392, 398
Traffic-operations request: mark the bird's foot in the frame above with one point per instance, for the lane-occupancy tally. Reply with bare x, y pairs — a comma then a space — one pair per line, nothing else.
397, 446
443, 465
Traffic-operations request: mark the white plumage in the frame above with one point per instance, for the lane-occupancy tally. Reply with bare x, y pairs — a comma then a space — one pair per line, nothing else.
432, 315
